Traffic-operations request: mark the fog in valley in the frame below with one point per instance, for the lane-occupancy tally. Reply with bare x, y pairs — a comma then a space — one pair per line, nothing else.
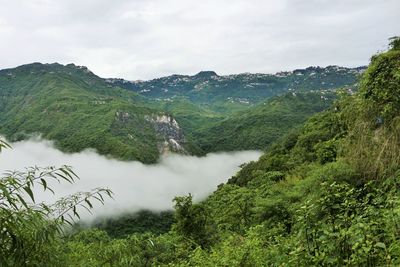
135, 185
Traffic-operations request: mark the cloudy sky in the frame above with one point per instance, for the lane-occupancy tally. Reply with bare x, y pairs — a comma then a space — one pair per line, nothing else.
143, 39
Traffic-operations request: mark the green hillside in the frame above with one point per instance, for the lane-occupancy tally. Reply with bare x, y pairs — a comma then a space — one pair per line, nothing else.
74, 107
79, 110
326, 194
244, 89
259, 126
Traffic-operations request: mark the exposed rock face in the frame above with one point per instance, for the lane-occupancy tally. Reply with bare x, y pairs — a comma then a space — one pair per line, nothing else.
122, 116
168, 130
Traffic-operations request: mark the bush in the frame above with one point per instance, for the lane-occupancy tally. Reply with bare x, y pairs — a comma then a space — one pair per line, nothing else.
380, 84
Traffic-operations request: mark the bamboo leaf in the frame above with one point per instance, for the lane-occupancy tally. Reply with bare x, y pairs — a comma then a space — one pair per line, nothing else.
28, 190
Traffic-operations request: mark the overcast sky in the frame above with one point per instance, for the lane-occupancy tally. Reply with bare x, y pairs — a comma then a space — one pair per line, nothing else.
143, 39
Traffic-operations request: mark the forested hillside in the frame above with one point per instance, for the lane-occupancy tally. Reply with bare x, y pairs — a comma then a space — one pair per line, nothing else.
325, 194
246, 88
78, 110
261, 125
74, 107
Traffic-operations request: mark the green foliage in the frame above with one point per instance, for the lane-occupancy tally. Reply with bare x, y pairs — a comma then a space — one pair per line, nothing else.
394, 43
192, 222
326, 151
30, 231
259, 127
79, 110
95, 248
325, 194
3, 145
230, 208
380, 84
139, 222
374, 152
76, 109
307, 202
317, 140
344, 225
245, 89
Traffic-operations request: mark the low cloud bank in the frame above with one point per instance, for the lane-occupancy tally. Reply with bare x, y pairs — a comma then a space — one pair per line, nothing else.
135, 185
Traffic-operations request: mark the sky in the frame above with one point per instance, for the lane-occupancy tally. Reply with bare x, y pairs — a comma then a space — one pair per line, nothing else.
135, 185
144, 39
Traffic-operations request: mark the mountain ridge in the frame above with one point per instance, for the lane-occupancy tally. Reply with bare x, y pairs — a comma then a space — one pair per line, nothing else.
78, 109
201, 73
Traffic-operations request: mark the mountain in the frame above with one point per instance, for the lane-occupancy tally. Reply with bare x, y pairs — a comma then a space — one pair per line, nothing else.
325, 194
207, 104
141, 120
77, 109
246, 88
261, 125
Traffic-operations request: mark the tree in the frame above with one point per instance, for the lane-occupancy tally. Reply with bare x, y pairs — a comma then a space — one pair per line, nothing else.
192, 222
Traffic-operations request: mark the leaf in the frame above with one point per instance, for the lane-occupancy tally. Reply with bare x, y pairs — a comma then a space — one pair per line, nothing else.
22, 201
86, 208
75, 213
380, 245
44, 183
88, 202
29, 192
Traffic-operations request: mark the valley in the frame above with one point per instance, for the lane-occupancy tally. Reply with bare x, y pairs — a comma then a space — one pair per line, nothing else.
141, 120
323, 191
214, 133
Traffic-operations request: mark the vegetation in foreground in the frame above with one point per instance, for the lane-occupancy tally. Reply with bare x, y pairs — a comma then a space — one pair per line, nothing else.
327, 194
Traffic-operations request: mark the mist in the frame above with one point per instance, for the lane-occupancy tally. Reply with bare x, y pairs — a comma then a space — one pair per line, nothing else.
136, 186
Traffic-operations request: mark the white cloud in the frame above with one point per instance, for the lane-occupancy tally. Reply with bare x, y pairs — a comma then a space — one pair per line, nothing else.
135, 185
145, 39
